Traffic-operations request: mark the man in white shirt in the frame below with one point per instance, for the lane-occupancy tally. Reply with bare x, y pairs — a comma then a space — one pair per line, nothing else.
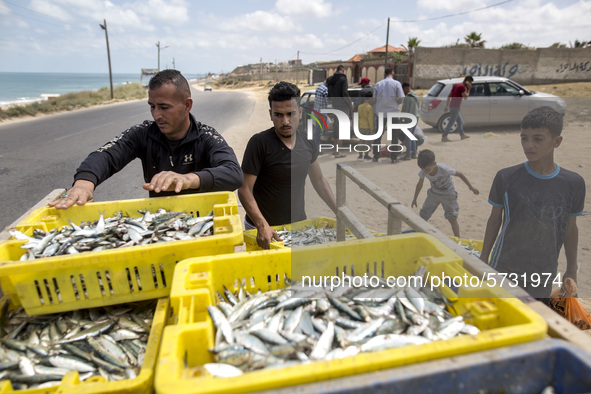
388, 94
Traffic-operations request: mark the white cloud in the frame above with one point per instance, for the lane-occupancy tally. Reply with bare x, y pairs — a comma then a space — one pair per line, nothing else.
449, 5
4, 10
170, 12
49, 9
306, 8
540, 24
258, 21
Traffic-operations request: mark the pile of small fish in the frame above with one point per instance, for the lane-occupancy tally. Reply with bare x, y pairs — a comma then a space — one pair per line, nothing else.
310, 235
115, 232
37, 351
301, 324
469, 248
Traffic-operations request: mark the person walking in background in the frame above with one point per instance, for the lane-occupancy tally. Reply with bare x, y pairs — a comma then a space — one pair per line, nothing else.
179, 154
276, 163
366, 121
537, 204
410, 105
442, 191
365, 88
338, 93
459, 92
388, 94
320, 102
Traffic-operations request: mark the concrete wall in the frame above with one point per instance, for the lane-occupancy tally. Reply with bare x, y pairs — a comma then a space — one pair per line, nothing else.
544, 65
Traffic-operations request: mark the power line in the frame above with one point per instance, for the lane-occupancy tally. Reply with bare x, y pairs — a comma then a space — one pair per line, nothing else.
412, 21
15, 11
452, 15
349, 44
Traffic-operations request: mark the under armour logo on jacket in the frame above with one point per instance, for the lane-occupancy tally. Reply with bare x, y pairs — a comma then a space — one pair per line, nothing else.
188, 159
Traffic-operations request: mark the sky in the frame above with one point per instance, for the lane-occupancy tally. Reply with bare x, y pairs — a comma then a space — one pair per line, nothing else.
216, 36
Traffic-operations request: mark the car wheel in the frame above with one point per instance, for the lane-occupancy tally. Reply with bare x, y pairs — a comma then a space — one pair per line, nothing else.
442, 124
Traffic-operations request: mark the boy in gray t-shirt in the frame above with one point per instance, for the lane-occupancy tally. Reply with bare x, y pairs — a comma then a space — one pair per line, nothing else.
535, 206
442, 189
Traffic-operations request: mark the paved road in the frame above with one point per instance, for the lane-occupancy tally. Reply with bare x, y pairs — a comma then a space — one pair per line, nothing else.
39, 155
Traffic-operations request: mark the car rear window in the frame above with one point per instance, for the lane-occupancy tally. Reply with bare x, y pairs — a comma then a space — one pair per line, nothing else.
435, 89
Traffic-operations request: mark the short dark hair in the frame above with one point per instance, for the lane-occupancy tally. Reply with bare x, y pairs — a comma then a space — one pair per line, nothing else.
284, 91
340, 67
469, 78
544, 117
405, 85
388, 71
426, 158
173, 77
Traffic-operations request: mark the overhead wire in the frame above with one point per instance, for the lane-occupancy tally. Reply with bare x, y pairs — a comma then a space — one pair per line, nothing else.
16, 11
411, 21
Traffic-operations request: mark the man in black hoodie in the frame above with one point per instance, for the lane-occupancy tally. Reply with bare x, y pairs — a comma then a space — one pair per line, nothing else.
338, 94
179, 154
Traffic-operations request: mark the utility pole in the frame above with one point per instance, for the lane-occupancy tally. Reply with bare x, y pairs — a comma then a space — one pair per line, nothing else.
297, 70
158, 45
173, 65
104, 27
387, 37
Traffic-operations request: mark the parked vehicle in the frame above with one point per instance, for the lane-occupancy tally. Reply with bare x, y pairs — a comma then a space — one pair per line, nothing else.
493, 101
307, 100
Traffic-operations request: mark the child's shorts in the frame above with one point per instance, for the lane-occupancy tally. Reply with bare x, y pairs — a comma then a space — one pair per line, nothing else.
448, 201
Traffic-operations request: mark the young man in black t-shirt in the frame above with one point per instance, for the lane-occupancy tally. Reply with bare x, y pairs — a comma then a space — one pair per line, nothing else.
275, 165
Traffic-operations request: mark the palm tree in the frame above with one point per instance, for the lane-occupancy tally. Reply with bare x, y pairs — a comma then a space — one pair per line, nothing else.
578, 44
412, 43
475, 40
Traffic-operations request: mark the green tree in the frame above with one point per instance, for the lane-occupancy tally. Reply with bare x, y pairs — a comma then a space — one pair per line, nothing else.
557, 45
515, 45
475, 40
578, 44
411, 45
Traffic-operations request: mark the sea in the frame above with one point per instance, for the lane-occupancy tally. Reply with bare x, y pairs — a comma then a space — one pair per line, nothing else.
27, 87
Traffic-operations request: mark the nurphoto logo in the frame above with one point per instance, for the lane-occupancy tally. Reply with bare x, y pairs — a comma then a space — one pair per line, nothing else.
394, 121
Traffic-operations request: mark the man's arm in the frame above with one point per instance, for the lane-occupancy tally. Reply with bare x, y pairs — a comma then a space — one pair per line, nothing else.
492, 230
345, 94
321, 186
466, 91
463, 178
571, 244
101, 164
224, 172
264, 232
446, 109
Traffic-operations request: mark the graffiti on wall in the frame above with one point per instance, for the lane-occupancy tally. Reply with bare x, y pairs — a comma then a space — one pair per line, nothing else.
575, 66
491, 70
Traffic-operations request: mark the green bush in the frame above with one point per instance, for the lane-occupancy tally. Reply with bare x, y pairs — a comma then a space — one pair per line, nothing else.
72, 101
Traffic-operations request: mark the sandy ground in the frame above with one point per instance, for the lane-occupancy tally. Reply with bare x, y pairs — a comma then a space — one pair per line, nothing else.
480, 157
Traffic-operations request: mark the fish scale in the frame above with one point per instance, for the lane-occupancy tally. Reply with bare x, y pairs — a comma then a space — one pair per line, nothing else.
115, 232
38, 357
330, 327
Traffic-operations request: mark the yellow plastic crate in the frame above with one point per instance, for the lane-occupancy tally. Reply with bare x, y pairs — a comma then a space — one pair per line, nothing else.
471, 243
114, 276
250, 236
143, 383
190, 332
